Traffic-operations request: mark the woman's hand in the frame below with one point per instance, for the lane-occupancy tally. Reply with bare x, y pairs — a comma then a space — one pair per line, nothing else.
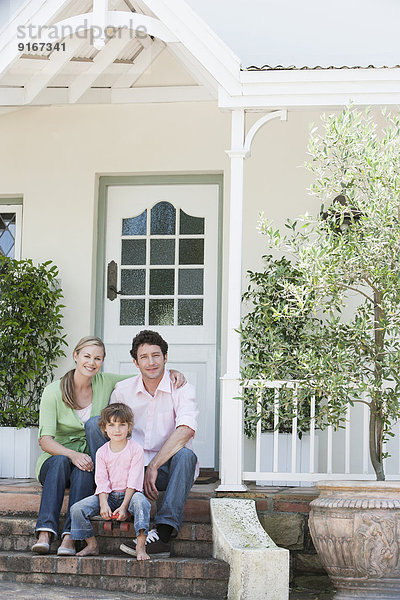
82, 461
177, 378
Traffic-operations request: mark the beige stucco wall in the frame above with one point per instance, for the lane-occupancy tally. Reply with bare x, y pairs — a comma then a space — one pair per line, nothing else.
53, 156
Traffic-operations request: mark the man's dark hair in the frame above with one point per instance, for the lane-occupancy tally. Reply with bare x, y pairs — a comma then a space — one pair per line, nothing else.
148, 337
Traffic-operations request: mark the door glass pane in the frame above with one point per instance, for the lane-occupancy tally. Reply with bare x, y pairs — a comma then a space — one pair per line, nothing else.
133, 252
133, 282
161, 312
190, 225
162, 282
191, 252
190, 312
132, 312
163, 216
7, 234
190, 282
135, 225
162, 252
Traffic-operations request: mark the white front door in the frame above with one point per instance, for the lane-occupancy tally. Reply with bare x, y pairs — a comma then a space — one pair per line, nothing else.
161, 274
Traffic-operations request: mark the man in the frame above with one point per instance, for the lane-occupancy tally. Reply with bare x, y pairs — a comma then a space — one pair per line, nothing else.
165, 421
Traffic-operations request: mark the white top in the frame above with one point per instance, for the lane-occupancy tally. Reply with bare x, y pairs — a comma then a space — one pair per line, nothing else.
84, 413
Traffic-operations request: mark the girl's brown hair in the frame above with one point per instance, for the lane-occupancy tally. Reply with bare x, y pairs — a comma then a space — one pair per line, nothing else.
116, 412
67, 381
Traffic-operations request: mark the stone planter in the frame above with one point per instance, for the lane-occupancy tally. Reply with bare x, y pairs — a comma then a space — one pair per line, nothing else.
19, 451
355, 527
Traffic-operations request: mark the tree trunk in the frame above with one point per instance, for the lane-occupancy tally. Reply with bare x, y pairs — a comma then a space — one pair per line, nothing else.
375, 421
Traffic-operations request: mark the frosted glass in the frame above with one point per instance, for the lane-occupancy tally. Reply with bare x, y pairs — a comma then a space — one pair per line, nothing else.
133, 282
163, 217
190, 312
132, 312
162, 282
135, 225
162, 252
190, 225
191, 252
133, 252
190, 282
161, 312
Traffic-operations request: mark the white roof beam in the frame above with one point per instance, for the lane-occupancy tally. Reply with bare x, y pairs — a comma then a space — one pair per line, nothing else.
36, 13
53, 66
200, 41
141, 63
187, 93
103, 59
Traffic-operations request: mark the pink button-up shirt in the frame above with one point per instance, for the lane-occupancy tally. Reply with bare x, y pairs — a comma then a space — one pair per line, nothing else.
156, 417
116, 471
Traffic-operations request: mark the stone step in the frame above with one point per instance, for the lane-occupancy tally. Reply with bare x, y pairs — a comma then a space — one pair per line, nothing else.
194, 539
175, 577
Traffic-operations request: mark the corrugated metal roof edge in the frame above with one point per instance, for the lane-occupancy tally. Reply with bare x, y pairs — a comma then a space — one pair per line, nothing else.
316, 68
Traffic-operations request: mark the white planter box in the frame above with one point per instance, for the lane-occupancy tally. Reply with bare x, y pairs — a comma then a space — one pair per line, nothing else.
19, 451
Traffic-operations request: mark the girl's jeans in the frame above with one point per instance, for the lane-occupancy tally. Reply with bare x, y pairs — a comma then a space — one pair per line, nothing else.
82, 511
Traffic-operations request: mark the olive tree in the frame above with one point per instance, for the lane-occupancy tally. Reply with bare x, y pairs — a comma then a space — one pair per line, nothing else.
349, 260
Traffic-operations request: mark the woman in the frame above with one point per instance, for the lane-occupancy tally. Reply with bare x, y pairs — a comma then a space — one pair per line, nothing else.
65, 407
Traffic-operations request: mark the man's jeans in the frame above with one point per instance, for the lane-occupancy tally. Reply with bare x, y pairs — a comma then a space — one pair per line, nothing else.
82, 511
176, 477
55, 474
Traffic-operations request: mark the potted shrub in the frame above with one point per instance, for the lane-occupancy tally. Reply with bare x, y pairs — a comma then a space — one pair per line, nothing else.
31, 341
349, 259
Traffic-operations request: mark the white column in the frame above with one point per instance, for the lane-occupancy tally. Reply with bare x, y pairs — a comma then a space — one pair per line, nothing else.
231, 432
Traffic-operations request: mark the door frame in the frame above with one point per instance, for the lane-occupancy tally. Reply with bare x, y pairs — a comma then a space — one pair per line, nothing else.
168, 179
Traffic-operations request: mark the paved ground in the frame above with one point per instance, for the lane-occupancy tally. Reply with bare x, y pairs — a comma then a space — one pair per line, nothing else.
21, 591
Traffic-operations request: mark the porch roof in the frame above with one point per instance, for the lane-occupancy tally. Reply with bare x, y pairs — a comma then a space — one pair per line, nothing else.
94, 68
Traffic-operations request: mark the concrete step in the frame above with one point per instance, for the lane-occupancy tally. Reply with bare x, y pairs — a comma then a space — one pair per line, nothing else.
194, 539
175, 577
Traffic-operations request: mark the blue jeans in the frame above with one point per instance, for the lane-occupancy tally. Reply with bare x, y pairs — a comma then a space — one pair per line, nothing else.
55, 474
82, 511
176, 477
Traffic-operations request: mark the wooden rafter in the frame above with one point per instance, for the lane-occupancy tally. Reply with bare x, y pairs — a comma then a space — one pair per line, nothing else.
142, 62
103, 59
53, 66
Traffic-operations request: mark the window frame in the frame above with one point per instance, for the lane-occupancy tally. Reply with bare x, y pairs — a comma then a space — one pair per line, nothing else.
17, 209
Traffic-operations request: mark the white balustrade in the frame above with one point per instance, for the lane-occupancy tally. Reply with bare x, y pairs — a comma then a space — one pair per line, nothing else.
331, 453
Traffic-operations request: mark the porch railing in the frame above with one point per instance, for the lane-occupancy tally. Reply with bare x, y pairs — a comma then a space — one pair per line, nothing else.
319, 454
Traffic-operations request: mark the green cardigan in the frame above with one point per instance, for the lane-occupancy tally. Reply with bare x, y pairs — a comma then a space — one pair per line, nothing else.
62, 423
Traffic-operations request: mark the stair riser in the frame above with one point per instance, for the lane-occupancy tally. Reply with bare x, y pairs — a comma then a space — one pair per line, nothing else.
176, 578
167, 587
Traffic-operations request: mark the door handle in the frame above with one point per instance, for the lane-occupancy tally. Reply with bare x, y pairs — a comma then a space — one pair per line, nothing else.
112, 278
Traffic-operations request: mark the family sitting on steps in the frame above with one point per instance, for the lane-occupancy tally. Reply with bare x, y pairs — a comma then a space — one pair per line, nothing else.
139, 445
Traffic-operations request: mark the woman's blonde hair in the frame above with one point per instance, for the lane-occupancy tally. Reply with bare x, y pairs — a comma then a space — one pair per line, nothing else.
67, 381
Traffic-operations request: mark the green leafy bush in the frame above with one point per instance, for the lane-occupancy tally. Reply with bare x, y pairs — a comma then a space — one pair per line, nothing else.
270, 343
31, 338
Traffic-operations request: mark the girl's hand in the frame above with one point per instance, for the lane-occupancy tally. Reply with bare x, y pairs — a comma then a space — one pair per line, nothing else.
82, 461
105, 511
177, 378
122, 513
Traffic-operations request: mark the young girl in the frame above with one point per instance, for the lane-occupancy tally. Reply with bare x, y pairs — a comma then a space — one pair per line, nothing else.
119, 478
